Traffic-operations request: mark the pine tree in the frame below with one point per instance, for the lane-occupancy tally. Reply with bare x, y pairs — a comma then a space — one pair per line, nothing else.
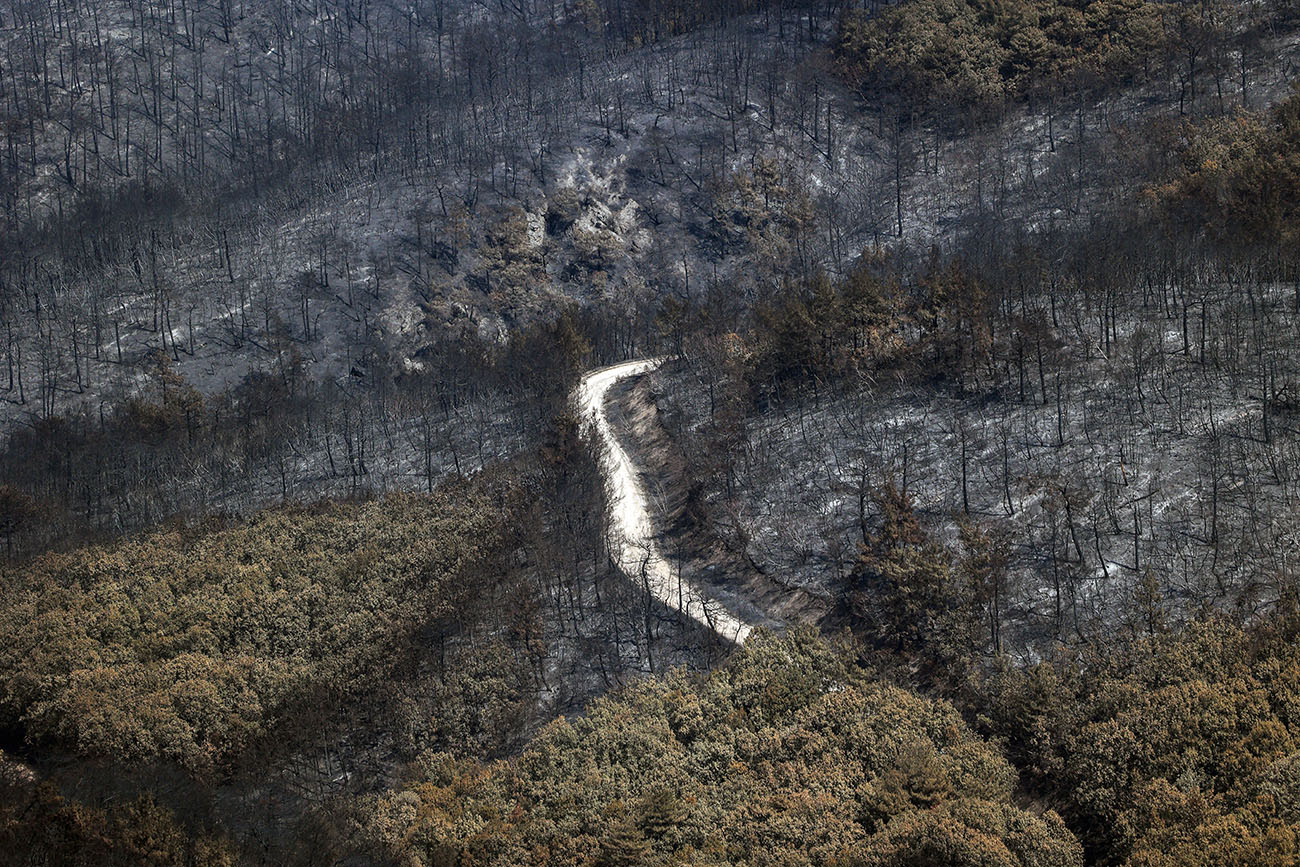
623, 845
901, 579
661, 811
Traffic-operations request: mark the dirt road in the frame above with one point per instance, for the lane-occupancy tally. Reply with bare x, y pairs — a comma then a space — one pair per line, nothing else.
633, 534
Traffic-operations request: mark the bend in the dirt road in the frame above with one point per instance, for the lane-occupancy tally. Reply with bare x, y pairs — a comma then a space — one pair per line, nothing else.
633, 542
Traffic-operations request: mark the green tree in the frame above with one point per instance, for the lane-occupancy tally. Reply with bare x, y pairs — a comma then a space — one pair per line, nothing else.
902, 581
788, 754
623, 845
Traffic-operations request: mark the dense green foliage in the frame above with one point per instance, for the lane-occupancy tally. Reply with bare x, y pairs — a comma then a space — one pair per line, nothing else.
195, 647
975, 53
932, 320
39, 826
1238, 179
1179, 749
1173, 748
789, 754
913, 599
824, 330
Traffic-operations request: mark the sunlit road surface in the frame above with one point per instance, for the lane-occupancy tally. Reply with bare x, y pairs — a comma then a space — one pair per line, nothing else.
632, 533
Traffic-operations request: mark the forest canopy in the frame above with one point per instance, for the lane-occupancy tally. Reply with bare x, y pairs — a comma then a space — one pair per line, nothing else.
196, 646
789, 754
1175, 748
1237, 180
977, 54
1181, 748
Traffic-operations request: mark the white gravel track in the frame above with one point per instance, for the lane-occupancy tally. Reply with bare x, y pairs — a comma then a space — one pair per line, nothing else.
632, 532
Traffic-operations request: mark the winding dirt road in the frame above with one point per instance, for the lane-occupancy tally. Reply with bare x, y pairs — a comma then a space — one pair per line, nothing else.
633, 536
